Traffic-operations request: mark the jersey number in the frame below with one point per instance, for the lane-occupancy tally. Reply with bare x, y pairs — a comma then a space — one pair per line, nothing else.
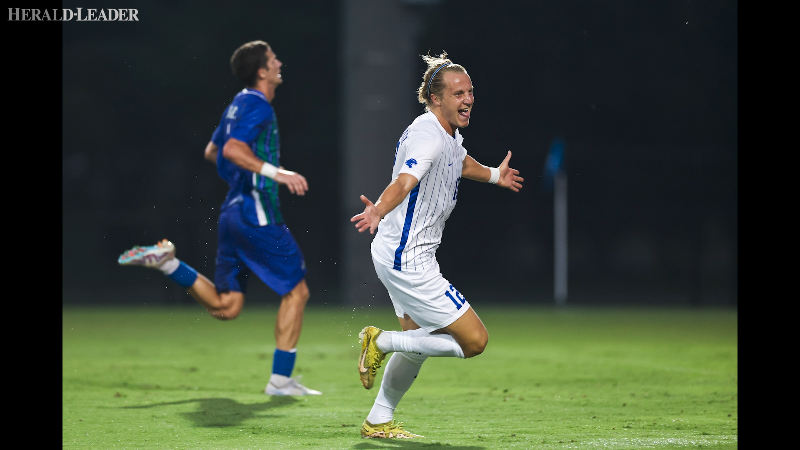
453, 299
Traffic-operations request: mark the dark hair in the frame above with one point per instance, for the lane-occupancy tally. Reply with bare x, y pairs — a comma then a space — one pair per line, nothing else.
247, 59
436, 85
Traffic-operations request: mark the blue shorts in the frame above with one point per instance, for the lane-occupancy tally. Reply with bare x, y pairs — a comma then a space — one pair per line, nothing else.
270, 252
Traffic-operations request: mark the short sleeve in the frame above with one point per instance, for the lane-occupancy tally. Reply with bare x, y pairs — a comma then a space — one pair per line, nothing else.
218, 137
254, 120
423, 147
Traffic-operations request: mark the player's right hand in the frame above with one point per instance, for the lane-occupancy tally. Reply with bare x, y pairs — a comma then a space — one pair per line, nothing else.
296, 183
369, 219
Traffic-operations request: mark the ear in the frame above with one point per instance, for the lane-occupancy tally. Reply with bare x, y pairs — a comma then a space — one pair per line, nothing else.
262, 72
435, 100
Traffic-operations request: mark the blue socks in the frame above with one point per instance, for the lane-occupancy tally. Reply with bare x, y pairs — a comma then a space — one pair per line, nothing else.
283, 362
183, 275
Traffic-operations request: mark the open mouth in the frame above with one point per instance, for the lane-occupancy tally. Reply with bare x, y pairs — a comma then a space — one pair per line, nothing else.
464, 113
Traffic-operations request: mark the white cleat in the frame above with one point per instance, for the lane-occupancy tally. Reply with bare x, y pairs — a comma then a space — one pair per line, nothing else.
292, 387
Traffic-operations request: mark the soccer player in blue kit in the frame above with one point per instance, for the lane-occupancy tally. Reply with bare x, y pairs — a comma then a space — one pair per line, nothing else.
253, 238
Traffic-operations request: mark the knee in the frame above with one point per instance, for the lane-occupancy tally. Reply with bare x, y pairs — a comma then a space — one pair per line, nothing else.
230, 305
225, 313
475, 347
303, 292
299, 295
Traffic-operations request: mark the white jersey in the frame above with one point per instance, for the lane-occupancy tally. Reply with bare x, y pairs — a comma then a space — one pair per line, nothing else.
409, 235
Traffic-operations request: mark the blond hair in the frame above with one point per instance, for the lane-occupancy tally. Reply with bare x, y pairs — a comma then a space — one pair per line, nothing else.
437, 65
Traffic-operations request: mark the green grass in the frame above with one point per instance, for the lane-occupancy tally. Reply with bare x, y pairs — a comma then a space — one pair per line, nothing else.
602, 378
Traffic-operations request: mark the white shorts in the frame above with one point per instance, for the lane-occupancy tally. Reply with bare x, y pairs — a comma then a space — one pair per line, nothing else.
427, 297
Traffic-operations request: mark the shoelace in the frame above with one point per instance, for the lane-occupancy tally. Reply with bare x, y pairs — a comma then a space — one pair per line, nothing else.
394, 424
375, 365
294, 382
394, 429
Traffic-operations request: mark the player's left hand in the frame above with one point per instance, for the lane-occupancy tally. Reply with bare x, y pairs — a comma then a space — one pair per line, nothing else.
370, 218
509, 178
296, 183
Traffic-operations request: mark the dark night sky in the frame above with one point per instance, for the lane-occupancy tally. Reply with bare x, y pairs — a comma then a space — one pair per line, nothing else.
643, 94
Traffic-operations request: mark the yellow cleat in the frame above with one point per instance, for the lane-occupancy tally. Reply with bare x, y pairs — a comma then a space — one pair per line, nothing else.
388, 430
371, 357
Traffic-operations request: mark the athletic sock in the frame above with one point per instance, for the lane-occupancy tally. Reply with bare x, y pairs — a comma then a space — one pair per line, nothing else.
283, 362
419, 341
169, 266
398, 376
385, 339
179, 272
278, 380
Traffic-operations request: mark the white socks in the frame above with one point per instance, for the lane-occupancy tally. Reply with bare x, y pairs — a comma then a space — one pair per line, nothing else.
169, 266
399, 374
411, 348
419, 341
279, 380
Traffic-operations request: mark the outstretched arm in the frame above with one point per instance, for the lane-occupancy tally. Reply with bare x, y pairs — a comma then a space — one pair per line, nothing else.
509, 178
239, 153
392, 196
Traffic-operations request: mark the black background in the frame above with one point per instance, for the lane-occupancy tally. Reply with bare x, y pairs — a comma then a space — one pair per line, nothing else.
643, 94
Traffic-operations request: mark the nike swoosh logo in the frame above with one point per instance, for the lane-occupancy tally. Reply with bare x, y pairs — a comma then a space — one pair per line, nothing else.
361, 367
450, 164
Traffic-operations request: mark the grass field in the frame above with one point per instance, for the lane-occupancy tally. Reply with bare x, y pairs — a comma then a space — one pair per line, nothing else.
571, 378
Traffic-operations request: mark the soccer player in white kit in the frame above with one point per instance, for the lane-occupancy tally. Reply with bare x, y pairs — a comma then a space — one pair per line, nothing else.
409, 217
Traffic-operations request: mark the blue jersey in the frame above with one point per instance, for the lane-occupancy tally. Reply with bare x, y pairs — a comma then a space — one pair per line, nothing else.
251, 119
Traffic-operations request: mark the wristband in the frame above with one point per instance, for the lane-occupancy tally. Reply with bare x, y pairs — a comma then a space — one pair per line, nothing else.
495, 175
268, 170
